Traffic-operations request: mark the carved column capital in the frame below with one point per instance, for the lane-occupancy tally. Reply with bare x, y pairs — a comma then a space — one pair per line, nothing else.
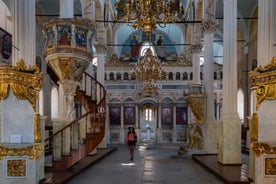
209, 26
100, 47
196, 48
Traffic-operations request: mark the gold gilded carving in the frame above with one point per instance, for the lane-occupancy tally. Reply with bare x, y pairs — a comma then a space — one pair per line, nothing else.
270, 166
37, 132
182, 61
195, 136
262, 148
16, 168
266, 92
33, 152
114, 61
23, 81
263, 79
196, 105
254, 128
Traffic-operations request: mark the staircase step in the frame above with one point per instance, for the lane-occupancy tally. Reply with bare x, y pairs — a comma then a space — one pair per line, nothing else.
60, 177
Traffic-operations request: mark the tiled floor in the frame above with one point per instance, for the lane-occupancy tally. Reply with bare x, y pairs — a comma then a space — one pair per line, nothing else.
153, 164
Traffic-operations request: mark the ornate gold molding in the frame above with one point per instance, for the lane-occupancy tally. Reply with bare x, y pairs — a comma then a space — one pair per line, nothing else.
196, 105
263, 148
263, 79
182, 61
254, 128
16, 168
33, 152
22, 80
115, 61
37, 132
270, 164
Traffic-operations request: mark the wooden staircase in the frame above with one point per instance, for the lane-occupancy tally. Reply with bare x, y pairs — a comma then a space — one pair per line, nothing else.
86, 132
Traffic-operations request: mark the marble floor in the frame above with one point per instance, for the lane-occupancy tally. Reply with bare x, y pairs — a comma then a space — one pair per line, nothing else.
152, 164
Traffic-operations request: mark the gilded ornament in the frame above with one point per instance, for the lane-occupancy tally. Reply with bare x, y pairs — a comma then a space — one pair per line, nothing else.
33, 151
37, 132
195, 136
263, 80
262, 148
23, 82
254, 128
270, 166
196, 105
16, 168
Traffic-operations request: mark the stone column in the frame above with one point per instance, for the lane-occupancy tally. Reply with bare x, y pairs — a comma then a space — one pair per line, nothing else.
230, 124
66, 8
24, 32
210, 126
196, 51
266, 31
107, 128
159, 125
122, 129
100, 49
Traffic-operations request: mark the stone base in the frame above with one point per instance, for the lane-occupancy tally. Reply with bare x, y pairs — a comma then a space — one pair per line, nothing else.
230, 142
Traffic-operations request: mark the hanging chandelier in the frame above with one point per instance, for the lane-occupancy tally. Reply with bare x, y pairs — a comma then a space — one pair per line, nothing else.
146, 14
147, 71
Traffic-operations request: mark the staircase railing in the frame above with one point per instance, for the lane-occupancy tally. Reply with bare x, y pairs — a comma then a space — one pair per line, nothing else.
89, 128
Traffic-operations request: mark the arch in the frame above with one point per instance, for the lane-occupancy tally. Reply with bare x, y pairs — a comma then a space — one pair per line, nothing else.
148, 101
5, 22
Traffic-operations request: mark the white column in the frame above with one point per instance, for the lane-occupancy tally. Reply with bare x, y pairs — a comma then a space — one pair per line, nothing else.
230, 124
266, 31
209, 27
66, 8
100, 48
24, 32
196, 51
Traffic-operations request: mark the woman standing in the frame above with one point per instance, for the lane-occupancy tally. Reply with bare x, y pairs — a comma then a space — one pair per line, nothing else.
131, 140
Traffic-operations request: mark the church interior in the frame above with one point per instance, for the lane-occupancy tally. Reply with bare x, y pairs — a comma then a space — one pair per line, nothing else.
76, 74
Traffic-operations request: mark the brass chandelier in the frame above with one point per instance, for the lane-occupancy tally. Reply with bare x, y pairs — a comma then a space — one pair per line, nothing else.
146, 14
148, 70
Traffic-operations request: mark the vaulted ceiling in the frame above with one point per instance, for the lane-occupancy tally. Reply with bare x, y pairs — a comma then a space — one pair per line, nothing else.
246, 9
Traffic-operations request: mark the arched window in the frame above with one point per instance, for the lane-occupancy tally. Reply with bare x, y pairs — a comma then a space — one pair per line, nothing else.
148, 114
125, 76
111, 76
177, 76
54, 103
119, 76
144, 48
191, 76
185, 76
170, 76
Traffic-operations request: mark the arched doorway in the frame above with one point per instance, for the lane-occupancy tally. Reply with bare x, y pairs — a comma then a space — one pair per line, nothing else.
148, 120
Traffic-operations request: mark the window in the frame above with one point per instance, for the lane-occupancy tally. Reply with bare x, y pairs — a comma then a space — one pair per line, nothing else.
148, 114
144, 48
